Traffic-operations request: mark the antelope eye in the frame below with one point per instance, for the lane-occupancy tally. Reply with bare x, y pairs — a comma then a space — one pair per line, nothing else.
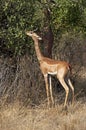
31, 32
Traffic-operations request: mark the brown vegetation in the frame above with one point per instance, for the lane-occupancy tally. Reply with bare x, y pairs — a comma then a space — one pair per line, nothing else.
23, 96
20, 96
15, 117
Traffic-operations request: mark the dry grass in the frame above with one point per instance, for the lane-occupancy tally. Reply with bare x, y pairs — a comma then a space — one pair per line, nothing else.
15, 117
18, 84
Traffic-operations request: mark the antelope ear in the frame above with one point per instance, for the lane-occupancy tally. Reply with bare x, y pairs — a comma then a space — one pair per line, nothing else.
29, 32
26, 32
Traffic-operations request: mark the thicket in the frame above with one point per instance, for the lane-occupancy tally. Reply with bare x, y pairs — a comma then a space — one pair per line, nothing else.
19, 70
16, 16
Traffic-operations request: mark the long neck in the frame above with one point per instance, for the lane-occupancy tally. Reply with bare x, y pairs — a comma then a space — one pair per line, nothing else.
38, 52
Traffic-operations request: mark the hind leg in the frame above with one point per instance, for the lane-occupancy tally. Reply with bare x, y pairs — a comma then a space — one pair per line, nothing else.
63, 83
72, 88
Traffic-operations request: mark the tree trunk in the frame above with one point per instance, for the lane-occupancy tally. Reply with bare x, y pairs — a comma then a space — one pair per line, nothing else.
48, 38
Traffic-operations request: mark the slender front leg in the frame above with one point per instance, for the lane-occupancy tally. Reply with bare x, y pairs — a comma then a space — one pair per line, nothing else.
51, 93
47, 88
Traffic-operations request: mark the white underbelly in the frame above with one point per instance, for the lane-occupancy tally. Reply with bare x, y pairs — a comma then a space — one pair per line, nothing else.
52, 73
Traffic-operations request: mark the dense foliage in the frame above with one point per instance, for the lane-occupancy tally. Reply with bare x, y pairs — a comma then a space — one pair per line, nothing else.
16, 16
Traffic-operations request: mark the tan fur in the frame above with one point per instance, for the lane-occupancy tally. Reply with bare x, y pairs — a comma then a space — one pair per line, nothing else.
52, 67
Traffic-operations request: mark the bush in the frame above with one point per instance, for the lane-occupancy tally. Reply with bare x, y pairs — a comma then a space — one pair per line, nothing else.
15, 17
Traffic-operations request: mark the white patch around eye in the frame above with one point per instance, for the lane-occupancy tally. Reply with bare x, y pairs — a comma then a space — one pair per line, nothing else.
39, 38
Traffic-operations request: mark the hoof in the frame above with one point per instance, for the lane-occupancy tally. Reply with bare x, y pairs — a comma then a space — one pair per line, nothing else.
65, 109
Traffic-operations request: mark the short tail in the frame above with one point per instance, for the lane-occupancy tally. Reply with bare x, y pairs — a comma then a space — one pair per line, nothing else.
70, 69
